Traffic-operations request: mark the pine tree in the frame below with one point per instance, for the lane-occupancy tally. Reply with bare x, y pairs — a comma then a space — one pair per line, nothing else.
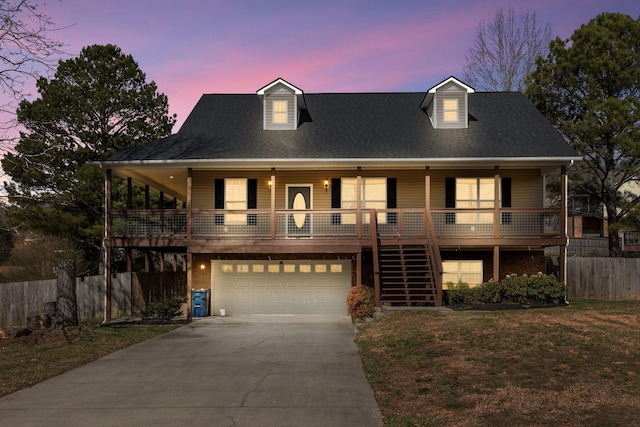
96, 104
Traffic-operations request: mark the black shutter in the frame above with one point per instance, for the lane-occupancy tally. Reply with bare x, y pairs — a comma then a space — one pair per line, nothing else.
506, 199
450, 193
336, 200
252, 200
219, 194
450, 199
219, 200
392, 200
506, 192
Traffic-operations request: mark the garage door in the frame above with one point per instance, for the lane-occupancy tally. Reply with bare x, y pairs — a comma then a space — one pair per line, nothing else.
280, 287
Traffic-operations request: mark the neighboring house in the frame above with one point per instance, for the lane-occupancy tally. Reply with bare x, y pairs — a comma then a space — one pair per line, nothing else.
288, 198
588, 226
586, 217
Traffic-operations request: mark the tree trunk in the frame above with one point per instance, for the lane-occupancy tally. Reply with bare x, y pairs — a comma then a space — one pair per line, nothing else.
615, 248
66, 307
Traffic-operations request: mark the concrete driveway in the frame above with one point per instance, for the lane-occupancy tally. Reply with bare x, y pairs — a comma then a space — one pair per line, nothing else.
222, 371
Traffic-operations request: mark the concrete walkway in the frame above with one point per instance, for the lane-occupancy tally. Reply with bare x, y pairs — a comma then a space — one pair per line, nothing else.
222, 371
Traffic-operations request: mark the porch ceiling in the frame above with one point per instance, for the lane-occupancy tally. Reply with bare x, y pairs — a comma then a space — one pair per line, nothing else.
171, 177
172, 181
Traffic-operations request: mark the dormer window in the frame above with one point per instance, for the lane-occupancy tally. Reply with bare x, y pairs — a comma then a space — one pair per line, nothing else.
280, 110
282, 104
447, 104
450, 110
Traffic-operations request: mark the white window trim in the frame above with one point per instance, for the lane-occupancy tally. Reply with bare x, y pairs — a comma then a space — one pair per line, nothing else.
479, 217
350, 219
446, 110
278, 113
456, 265
235, 219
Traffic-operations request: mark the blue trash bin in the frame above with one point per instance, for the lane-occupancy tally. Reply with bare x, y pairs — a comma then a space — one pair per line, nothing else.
200, 303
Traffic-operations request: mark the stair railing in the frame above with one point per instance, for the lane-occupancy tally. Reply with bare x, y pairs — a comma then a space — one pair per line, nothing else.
373, 223
434, 249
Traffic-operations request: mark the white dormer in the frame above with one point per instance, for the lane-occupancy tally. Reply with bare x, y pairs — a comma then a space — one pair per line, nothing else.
447, 104
281, 105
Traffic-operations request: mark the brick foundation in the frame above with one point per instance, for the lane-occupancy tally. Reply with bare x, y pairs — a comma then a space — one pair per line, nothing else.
521, 262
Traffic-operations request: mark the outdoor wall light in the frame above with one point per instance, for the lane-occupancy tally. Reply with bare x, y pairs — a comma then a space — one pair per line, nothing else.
326, 184
202, 266
269, 184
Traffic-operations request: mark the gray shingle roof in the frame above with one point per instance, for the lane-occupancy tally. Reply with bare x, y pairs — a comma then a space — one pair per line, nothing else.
358, 125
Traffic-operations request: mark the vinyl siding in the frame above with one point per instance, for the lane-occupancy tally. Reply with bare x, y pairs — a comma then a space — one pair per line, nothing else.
526, 191
410, 185
203, 187
526, 185
320, 199
462, 110
410, 188
280, 95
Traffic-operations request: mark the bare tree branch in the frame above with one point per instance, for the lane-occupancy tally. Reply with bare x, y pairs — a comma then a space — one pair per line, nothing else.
505, 51
26, 53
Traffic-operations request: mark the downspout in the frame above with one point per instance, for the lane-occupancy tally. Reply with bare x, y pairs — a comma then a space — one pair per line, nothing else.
565, 183
107, 247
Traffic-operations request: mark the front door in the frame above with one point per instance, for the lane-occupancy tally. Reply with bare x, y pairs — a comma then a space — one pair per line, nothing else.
299, 198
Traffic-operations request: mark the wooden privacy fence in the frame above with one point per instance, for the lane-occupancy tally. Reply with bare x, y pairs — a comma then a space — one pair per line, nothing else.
155, 286
19, 299
130, 292
611, 279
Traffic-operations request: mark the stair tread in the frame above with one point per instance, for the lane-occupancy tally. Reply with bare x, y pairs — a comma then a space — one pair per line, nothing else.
407, 274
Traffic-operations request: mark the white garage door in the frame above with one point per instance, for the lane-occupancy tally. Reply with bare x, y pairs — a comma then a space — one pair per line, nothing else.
280, 287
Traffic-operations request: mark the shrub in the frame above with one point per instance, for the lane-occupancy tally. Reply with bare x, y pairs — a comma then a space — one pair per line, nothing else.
461, 293
541, 288
515, 288
164, 310
490, 292
546, 288
361, 302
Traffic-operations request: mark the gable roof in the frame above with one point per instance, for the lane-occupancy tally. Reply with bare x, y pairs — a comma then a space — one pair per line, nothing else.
280, 81
276, 82
367, 126
451, 79
431, 91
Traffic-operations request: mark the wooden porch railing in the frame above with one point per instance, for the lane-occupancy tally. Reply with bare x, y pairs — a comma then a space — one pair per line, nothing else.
336, 223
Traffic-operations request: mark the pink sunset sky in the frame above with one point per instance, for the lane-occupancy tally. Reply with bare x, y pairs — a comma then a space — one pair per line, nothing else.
192, 47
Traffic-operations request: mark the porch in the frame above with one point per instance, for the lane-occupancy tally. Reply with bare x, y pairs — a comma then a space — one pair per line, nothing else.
177, 227
405, 242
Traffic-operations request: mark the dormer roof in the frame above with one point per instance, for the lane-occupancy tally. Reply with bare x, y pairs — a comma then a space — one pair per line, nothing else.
282, 104
447, 104
428, 99
280, 81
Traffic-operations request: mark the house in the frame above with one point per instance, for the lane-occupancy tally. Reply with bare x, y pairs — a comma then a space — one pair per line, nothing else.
586, 217
283, 199
588, 225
